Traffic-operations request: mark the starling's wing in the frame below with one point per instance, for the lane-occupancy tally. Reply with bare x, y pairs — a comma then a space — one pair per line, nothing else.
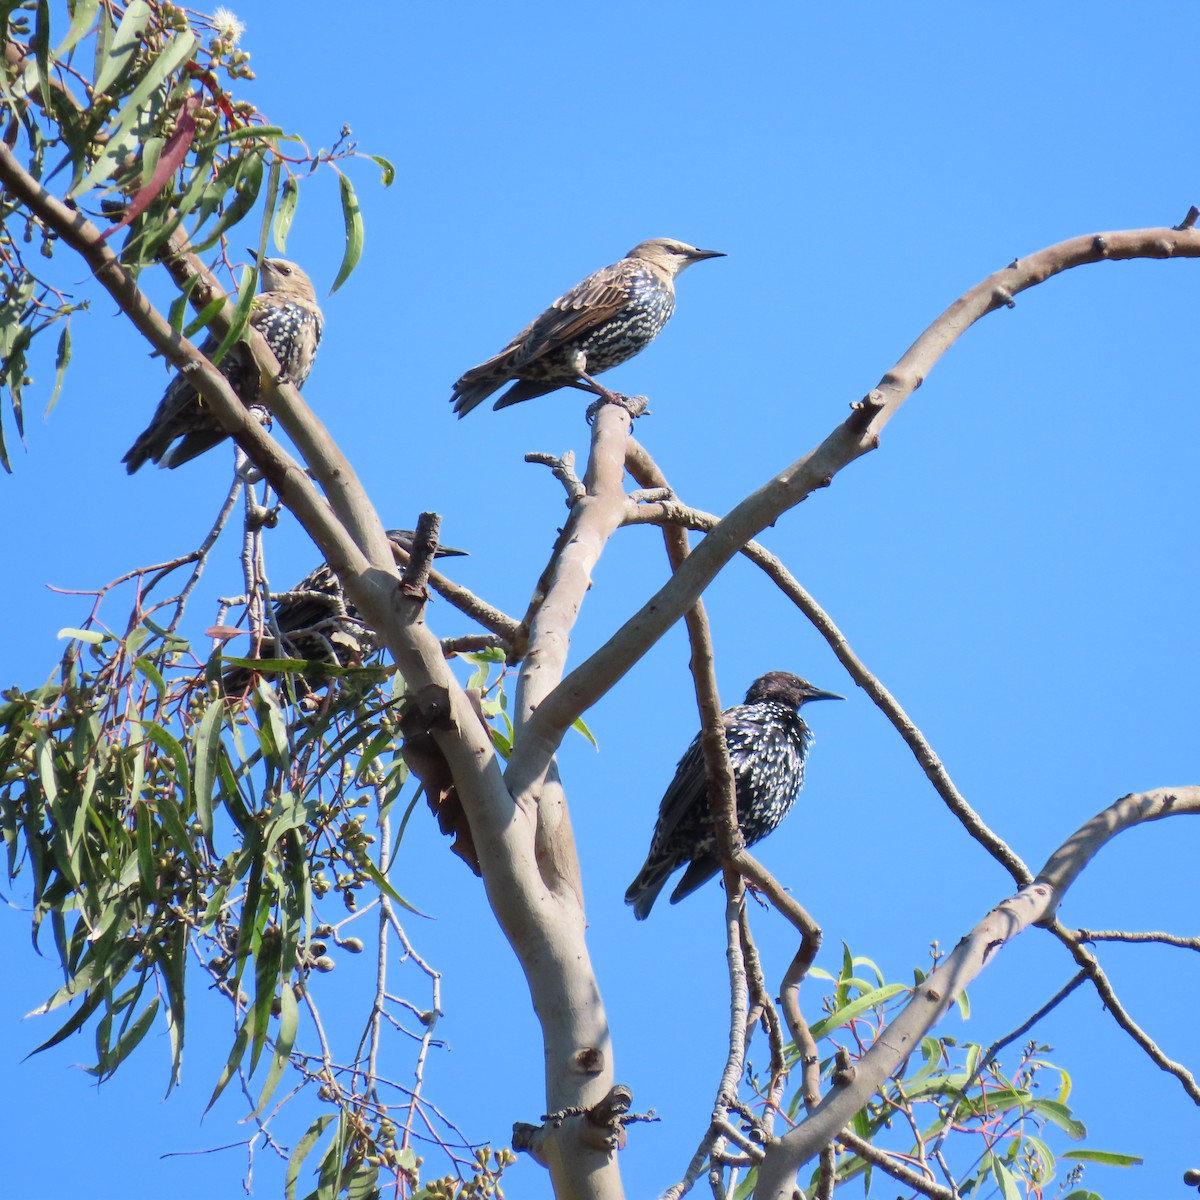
689, 788
587, 306
741, 735
686, 790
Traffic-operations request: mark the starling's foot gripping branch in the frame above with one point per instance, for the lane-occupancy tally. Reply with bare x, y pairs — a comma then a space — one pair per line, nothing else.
635, 406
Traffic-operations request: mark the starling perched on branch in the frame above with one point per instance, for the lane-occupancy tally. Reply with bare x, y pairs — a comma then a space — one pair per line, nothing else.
768, 741
287, 315
597, 325
318, 623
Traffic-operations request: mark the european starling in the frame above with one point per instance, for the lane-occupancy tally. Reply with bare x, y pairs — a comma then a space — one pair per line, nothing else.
287, 315
768, 741
318, 623
597, 325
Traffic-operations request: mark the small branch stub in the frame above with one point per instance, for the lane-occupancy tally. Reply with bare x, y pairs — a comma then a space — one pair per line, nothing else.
415, 581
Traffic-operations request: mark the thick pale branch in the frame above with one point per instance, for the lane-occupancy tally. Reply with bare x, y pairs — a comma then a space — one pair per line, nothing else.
855, 437
1033, 904
593, 519
1064, 865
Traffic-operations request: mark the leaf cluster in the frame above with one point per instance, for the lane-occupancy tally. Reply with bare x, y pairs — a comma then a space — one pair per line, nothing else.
136, 113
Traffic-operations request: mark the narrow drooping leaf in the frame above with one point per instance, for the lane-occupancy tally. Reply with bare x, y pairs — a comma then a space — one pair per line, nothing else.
81, 21
62, 359
302, 1151
206, 749
124, 45
1108, 1157
286, 211
285, 1039
352, 218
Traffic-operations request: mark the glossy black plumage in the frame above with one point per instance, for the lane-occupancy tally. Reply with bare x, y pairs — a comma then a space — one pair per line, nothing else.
597, 325
768, 743
318, 623
287, 315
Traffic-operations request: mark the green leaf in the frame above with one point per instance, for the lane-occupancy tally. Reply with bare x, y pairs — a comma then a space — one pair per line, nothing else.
236, 1054
286, 212
1060, 1115
1108, 1157
247, 183
62, 358
172, 962
352, 217
207, 749
127, 1043
124, 45
91, 636
363, 1183
580, 727
856, 1008
263, 133
303, 1149
146, 668
1044, 1153
389, 171
964, 1004
285, 1039
41, 52
241, 315
380, 881
81, 22
1004, 1177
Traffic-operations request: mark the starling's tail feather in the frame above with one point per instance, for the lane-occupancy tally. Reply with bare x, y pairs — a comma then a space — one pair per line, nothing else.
525, 389
643, 891
192, 445
470, 395
699, 872
149, 447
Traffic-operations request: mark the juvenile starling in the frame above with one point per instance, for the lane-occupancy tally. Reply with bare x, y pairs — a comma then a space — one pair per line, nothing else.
318, 623
597, 325
768, 741
287, 315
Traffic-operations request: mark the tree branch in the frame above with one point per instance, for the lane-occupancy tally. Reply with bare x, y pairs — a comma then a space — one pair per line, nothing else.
1033, 904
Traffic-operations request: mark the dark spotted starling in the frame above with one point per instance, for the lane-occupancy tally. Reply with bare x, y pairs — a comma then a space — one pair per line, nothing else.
318, 623
287, 315
597, 325
768, 741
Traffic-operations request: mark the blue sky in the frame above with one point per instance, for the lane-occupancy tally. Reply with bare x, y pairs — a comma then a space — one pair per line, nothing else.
1017, 562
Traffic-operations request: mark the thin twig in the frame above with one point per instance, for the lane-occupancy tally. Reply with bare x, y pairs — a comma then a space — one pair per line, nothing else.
1125, 935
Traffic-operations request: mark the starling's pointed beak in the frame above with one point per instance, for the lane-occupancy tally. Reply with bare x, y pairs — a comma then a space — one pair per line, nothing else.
815, 694
254, 256
701, 255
